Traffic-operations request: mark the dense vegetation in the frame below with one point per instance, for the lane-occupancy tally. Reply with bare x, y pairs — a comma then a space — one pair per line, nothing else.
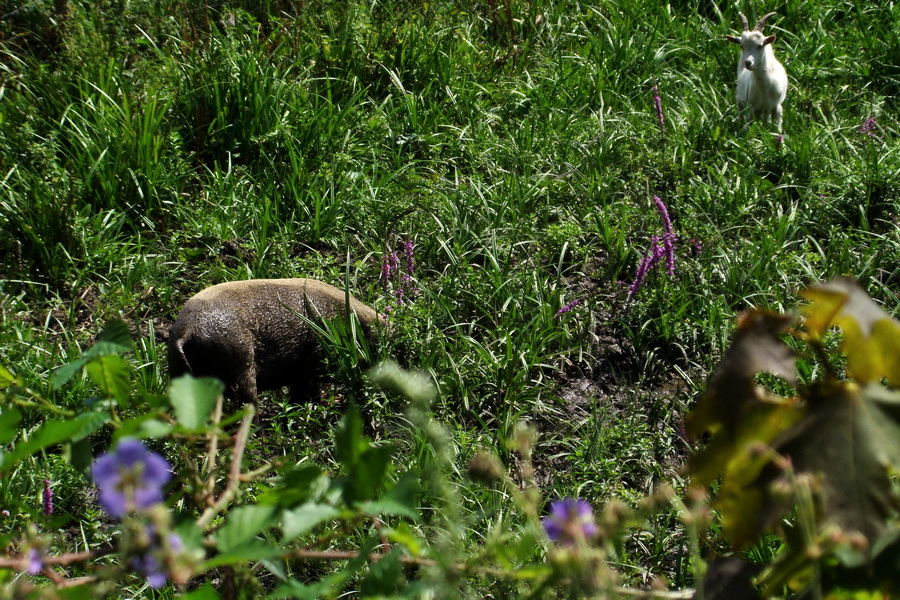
485, 173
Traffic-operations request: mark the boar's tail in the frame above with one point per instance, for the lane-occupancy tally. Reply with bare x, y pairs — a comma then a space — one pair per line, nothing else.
183, 365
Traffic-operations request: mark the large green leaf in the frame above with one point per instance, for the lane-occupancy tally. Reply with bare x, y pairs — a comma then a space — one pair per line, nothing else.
7, 378
294, 487
302, 519
115, 339
9, 424
242, 525
56, 432
365, 465
111, 374
193, 399
851, 436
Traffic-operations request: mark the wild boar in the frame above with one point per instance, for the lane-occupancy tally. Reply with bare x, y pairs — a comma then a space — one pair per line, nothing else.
248, 334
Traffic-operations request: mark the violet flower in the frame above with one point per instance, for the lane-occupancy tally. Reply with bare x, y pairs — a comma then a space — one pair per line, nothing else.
48, 498
131, 478
657, 101
410, 259
567, 308
35, 562
668, 238
152, 563
389, 265
570, 521
869, 127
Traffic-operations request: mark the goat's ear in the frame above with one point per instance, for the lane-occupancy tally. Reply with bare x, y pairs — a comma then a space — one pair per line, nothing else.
769, 40
733, 39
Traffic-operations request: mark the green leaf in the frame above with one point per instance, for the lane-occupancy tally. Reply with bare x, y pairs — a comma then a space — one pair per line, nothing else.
400, 500
252, 550
111, 374
736, 455
294, 487
207, 592
8, 379
368, 475
349, 441
850, 436
242, 526
302, 519
66, 372
114, 339
365, 466
384, 577
302, 591
193, 399
9, 424
56, 432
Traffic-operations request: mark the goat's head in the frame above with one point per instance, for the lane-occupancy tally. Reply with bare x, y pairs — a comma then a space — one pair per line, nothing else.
752, 42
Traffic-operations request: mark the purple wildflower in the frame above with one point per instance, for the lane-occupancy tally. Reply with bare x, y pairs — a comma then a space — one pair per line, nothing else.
570, 521
657, 101
389, 264
869, 127
4, 512
647, 263
567, 308
664, 213
35, 562
668, 239
48, 498
410, 259
779, 140
152, 563
697, 245
130, 478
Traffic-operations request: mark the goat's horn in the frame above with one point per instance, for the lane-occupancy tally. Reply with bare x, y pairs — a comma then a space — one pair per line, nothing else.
762, 22
744, 21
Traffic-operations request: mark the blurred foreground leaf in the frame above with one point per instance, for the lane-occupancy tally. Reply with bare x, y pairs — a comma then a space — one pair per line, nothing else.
194, 398
871, 337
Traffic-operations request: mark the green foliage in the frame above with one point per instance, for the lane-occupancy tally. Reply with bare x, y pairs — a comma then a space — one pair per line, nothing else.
149, 149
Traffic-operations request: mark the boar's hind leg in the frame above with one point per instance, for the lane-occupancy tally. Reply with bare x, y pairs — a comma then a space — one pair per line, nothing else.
243, 390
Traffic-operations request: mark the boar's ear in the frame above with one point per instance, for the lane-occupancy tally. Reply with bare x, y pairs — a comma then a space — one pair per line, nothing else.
733, 39
769, 40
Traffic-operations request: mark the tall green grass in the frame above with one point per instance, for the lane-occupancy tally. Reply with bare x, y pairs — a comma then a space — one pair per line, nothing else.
161, 147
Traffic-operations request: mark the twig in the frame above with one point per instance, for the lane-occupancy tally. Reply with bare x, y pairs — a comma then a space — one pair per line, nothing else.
240, 442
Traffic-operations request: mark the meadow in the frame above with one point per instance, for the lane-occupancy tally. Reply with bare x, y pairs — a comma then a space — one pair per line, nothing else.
490, 175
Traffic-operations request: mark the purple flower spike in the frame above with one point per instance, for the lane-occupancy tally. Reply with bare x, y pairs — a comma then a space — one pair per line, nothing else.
869, 127
568, 307
570, 520
657, 101
664, 213
410, 258
48, 498
131, 478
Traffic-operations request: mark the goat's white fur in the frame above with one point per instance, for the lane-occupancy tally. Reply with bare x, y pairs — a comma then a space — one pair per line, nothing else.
762, 81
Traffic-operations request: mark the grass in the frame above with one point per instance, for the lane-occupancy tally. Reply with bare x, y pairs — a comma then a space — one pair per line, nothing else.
156, 148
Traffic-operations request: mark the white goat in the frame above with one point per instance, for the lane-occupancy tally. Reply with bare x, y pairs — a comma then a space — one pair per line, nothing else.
762, 81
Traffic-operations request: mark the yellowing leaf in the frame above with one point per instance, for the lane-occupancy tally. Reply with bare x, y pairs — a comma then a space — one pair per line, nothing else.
756, 348
736, 455
850, 437
871, 337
